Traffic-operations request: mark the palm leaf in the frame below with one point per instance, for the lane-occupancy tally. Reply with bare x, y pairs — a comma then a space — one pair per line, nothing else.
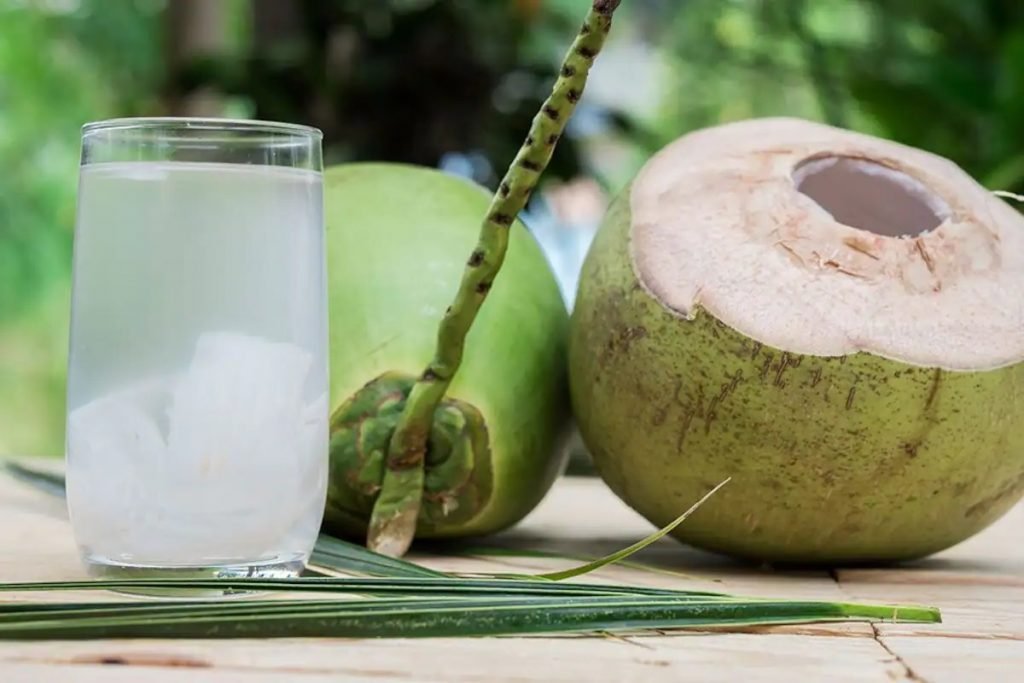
529, 553
422, 617
349, 558
619, 557
396, 598
403, 586
636, 547
46, 482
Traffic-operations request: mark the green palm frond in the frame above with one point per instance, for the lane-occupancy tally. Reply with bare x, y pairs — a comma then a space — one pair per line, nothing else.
414, 608
388, 597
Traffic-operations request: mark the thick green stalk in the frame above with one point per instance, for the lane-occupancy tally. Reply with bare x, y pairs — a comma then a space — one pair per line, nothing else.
393, 523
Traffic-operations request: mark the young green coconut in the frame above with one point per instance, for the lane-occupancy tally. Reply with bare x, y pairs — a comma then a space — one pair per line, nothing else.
496, 441
406, 459
832, 320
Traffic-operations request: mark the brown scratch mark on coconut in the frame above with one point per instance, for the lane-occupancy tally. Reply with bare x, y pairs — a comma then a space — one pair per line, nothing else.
677, 394
684, 427
1005, 495
796, 258
787, 361
860, 246
962, 487
838, 267
710, 417
608, 318
756, 350
632, 334
815, 377
925, 256
766, 366
934, 390
700, 400
769, 152
735, 381
849, 397
661, 414
727, 389
910, 448
847, 271
689, 413
828, 478
780, 368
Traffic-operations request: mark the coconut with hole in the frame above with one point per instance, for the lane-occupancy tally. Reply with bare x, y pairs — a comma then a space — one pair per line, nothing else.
833, 320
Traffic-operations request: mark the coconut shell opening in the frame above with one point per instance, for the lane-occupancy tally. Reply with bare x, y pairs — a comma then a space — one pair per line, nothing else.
816, 240
864, 194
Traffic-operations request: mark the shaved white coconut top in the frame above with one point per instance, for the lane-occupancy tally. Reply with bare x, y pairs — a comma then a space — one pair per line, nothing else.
821, 241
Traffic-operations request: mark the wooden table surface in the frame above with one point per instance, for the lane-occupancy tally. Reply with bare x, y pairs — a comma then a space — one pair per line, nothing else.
979, 585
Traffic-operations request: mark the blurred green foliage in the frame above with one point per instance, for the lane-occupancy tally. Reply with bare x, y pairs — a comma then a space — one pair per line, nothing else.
408, 80
419, 80
943, 75
58, 69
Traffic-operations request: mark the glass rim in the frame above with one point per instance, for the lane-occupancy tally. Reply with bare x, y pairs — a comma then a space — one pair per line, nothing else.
200, 123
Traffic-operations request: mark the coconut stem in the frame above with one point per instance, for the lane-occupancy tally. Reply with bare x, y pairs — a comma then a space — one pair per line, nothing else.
393, 523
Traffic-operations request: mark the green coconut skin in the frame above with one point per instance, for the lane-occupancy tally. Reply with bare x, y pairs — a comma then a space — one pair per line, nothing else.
397, 240
843, 459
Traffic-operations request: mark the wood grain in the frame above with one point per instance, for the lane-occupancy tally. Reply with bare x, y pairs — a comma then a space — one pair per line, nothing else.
979, 585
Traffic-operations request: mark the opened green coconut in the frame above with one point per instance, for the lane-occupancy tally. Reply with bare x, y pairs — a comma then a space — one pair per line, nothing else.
398, 237
832, 320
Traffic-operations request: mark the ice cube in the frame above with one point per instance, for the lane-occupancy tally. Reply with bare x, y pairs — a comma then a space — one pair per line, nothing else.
242, 467
111, 441
238, 407
234, 445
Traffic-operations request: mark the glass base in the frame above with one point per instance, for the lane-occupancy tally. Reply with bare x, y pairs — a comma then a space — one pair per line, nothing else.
279, 568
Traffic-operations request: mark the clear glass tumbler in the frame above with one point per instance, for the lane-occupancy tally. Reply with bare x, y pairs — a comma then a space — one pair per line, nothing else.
197, 371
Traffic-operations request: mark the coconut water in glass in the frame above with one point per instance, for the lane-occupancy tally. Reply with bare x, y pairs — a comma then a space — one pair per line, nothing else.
197, 373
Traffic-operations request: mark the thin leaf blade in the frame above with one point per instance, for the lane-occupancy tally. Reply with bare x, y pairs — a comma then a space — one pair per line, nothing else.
409, 586
349, 558
636, 547
47, 482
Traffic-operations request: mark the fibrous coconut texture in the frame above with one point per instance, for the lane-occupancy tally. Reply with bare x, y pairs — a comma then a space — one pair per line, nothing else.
832, 320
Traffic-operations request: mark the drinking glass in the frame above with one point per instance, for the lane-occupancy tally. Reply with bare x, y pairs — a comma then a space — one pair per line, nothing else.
197, 373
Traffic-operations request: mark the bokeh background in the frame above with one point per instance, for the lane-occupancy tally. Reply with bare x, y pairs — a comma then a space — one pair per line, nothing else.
453, 83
